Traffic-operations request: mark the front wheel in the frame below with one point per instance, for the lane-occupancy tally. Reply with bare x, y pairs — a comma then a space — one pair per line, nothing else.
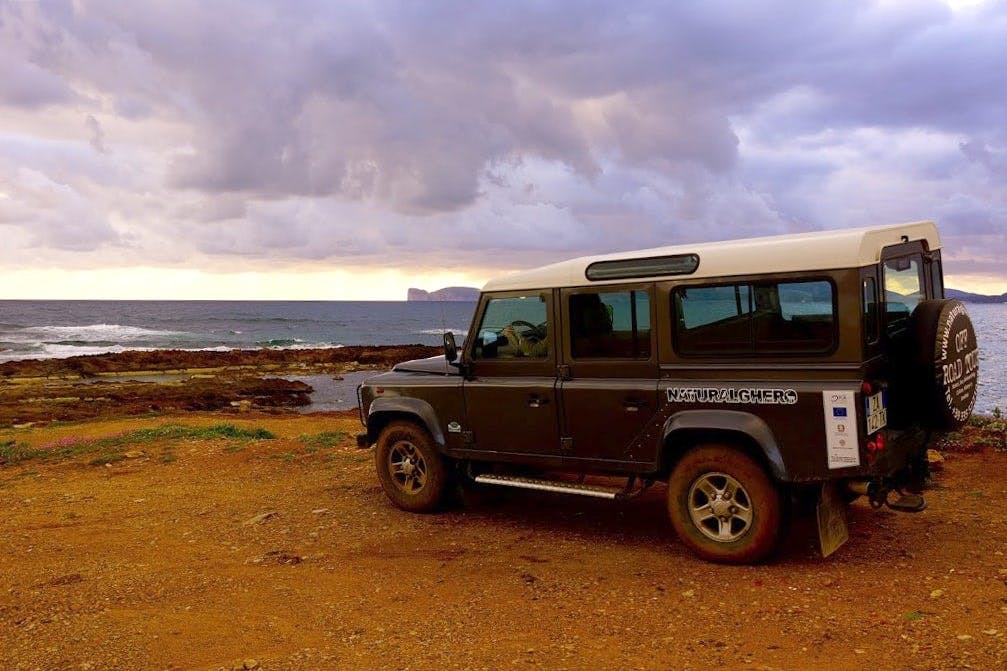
411, 470
724, 506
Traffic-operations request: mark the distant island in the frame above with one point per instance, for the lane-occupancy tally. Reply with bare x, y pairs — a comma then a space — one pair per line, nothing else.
967, 297
465, 294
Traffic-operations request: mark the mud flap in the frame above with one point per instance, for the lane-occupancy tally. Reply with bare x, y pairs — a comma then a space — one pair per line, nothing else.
832, 530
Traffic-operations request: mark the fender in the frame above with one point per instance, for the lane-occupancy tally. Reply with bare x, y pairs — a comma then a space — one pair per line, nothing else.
404, 405
732, 421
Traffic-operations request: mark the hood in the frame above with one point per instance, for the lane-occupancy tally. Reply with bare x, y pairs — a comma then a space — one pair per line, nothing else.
436, 365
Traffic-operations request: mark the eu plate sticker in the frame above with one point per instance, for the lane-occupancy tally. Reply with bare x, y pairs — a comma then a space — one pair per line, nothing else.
841, 441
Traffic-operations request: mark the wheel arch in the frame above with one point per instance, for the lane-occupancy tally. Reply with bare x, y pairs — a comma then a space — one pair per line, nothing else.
690, 428
383, 411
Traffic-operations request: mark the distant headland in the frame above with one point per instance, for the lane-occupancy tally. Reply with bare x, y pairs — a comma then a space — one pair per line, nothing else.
467, 294
967, 297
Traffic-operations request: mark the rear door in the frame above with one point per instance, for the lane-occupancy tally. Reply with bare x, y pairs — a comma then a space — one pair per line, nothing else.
609, 372
904, 283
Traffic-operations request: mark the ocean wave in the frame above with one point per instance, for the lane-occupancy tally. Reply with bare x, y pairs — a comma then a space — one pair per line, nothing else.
290, 344
279, 343
19, 351
437, 332
91, 333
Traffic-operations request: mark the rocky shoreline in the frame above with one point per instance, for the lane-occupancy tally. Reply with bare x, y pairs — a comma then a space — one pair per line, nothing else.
42, 391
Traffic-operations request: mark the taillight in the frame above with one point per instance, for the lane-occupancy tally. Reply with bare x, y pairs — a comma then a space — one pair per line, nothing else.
875, 446
867, 388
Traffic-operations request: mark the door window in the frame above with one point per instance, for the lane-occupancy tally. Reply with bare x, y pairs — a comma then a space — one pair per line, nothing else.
515, 327
610, 325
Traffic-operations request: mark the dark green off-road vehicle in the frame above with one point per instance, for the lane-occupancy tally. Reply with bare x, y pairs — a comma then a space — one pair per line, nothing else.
744, 374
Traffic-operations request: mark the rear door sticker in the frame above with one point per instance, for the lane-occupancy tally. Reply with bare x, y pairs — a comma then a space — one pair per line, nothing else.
841, 440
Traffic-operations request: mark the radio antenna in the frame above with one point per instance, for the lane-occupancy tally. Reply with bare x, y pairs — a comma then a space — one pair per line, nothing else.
444, 320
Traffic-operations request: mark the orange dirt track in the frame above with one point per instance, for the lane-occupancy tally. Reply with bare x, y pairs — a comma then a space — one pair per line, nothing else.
271, 554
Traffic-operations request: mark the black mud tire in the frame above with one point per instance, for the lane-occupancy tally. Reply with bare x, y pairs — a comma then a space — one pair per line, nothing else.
946, 361
412, 472
756, 524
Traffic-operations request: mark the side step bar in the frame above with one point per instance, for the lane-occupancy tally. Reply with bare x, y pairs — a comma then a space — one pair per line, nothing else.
596, 491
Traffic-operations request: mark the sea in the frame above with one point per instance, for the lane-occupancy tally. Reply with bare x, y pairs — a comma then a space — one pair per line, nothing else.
51, 329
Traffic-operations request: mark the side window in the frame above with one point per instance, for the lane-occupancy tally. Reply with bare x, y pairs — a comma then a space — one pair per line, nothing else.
794, 317
761, 318
610, 324
714, 319
870, 318
513, 328
903, 289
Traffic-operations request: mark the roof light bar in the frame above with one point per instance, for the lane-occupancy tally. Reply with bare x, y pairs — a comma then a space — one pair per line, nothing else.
655, 266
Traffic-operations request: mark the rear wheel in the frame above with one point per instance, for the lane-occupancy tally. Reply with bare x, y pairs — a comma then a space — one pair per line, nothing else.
411, 470
724, 506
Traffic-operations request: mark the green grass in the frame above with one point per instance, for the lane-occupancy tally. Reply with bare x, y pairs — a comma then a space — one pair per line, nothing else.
110, 449
13, 452
325, 439
109, 458
913, 615
182, 432
312, 444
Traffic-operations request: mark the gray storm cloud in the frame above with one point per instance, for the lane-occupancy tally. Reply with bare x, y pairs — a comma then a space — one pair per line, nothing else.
519, 132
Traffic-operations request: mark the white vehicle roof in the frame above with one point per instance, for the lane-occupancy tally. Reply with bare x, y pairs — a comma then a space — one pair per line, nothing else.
820, 250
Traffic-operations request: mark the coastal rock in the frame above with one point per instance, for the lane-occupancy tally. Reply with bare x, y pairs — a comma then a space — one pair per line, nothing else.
240, 381
466, 294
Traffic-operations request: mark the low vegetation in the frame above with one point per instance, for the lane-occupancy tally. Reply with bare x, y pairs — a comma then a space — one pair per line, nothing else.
325, 439
981, 432
113, 448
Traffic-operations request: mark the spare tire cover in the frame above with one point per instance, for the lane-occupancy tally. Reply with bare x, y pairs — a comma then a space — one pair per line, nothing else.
948, 357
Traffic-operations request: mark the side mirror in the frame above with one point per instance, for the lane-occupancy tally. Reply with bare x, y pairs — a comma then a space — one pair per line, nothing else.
450, 347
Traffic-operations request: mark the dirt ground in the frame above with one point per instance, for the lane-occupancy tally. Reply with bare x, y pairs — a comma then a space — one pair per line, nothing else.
224, 553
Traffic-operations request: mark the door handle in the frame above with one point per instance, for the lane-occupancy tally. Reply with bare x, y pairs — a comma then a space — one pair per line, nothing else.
633, 404
536, 401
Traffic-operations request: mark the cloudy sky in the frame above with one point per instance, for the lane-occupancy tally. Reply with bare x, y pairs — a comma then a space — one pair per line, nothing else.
348, 150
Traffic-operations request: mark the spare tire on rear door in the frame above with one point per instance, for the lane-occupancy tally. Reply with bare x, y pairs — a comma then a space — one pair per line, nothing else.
947, 360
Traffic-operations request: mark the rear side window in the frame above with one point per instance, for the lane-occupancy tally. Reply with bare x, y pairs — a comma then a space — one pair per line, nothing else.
714, 320
870, 317
758, 318
903, 289
610, 325
938, 274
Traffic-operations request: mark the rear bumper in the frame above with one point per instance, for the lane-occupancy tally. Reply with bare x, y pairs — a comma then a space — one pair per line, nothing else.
904, 450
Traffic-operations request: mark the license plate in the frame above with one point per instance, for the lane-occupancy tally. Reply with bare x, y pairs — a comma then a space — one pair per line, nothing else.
877, 413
